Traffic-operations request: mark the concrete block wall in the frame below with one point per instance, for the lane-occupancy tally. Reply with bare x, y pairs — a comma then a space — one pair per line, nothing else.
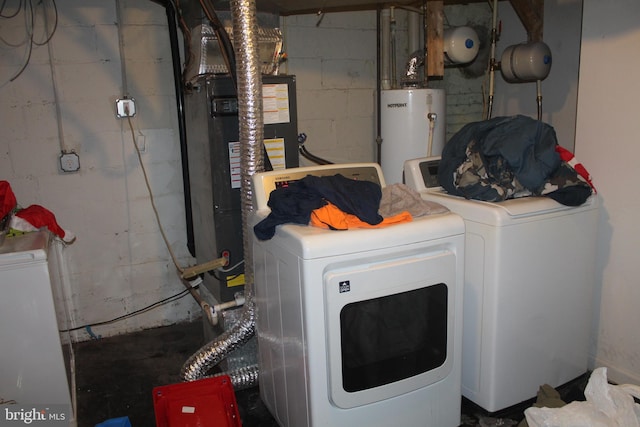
119, 263
334, 59
335, 67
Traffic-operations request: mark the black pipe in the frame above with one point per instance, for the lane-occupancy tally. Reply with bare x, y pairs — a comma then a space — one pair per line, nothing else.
182, 128
378, 86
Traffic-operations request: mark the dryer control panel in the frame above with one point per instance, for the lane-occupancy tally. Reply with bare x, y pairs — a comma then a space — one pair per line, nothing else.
265, 182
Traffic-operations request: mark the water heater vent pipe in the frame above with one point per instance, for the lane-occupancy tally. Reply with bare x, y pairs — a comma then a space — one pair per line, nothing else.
393, 47
385, 61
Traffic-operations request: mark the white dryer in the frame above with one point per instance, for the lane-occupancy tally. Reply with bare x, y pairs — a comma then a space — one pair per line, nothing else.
361, 326
529, 283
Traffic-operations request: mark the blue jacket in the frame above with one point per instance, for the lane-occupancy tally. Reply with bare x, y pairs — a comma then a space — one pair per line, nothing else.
508, 157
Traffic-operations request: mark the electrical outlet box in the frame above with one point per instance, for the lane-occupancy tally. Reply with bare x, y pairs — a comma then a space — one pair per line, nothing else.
125, 107
69, 162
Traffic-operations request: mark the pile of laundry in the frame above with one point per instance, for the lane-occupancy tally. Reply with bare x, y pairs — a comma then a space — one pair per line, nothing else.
339, 203
511, 157
14, 219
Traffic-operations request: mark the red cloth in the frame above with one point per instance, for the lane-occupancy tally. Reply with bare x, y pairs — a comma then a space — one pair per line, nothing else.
570, 159
40, 217
7, 199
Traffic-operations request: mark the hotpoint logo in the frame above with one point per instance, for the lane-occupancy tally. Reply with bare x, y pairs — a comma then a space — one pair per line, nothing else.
397, 105
38, 416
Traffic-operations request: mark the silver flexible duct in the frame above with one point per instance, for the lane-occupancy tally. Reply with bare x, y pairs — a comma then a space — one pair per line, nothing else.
251, 161
243, 378
411, 75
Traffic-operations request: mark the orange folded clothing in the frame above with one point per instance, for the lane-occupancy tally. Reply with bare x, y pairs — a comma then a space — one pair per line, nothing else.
330, 216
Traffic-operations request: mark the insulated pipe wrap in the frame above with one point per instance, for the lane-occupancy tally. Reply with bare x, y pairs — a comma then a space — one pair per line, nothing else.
251, 128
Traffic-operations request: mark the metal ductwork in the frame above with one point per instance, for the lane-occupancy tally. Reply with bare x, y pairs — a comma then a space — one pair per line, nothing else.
411, 76
251, 130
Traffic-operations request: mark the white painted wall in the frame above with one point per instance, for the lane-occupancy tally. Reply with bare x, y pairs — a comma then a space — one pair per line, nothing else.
119, 262
607, 141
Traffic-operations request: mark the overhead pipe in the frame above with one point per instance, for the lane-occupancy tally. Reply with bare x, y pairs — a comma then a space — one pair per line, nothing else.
251, 127
392, 43
425, 76
492, 57
384, 35
413, 31
182, 128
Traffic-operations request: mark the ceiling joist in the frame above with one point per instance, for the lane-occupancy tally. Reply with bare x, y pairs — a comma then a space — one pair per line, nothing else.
531, 14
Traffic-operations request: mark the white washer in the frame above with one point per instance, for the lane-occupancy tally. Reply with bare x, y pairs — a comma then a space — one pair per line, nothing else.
529, 282
317, 291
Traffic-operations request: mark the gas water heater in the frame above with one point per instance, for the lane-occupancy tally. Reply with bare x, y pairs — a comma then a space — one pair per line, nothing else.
413, 125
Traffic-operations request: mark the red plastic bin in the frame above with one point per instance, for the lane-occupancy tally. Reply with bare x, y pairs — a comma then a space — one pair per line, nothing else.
200, 403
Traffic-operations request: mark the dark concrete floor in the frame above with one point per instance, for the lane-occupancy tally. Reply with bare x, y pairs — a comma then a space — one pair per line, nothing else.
115, 377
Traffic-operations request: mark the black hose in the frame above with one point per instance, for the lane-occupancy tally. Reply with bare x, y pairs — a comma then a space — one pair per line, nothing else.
318, 160
302, 138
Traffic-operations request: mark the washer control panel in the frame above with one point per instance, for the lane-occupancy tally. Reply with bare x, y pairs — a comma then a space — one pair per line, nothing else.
429, 171
422, 174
